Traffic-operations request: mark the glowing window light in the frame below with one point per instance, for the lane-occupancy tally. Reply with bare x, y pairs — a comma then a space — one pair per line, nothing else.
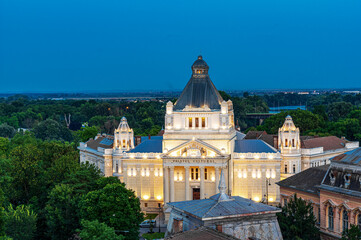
256, 157
159, 197
142, 172
268, 174
240, 174
145, 197
273, 174
244, 173
161, 173
147, 172
181, 177
256, 199
156, 172
134, 172
129, 173
270, 199
254, 173
213, 179
258, 173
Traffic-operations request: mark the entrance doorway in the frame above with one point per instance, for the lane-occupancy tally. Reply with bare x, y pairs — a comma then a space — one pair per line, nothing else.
196, 193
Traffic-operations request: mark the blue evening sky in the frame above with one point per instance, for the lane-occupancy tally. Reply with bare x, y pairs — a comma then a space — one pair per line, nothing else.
116, 45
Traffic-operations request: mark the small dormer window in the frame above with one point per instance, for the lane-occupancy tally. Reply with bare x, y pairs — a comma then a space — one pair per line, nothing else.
332, 179
347, 179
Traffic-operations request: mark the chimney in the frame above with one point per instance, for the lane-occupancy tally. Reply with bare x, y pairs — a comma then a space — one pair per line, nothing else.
275, 141
219, 227
138, 140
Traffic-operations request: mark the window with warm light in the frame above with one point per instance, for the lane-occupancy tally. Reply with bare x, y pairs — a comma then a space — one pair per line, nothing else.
286, 143
194, 173
205, 174
203, 122
197, 122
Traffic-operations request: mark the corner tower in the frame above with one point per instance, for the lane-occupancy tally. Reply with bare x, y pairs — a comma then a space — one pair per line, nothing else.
123, 136
290, 146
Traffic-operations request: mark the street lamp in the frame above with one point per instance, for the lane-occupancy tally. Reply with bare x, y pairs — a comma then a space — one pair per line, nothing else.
159, 218
268, 183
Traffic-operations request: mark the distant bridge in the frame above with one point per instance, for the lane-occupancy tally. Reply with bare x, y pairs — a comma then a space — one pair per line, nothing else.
260, 116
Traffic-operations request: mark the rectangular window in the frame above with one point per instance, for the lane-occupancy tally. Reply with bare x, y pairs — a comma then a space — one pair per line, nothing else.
159, 205
294, 168
293, 142
192, 173
145, 204
190, 122
286, 170
203, 122
197, 122
197, 173
205, 174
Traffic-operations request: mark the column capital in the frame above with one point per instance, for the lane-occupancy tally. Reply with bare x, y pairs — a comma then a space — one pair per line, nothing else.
171, 168
186, 167
201, 167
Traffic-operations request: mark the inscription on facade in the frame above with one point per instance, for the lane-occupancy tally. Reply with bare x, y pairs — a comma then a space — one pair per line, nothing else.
192, 161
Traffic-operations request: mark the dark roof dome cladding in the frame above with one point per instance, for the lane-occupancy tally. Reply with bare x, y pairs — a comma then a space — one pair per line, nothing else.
200, 63
200, 91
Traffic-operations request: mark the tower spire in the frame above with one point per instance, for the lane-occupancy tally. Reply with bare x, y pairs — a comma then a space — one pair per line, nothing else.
222, 184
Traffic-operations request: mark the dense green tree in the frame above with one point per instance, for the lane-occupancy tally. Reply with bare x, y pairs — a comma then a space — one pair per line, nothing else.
94, 230
20, 222
52, 130
62, 215
88, 132
116, 206
305, 120
297, 220
7, 131
339, 110
2, 214
25, 172
353, 233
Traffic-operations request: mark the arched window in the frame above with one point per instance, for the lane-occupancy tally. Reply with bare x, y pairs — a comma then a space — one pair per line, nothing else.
293, 142
359, 221
330, 218
344, 220
294, 168
286, 143
286, 168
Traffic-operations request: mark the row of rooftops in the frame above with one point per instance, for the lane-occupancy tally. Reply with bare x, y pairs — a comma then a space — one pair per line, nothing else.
153, 144
307, 142
343, 175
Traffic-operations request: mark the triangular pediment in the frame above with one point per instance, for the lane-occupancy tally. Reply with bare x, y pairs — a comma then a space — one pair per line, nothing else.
194, 148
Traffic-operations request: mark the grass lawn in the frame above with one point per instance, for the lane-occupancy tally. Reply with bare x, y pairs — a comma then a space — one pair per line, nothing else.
150, 216
150, 236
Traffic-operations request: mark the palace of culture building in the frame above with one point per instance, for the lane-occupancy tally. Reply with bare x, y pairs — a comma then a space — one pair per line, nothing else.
200, 139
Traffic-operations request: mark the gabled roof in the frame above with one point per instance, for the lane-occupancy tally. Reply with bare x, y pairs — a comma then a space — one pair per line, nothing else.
196, 141
253, 146
328, 143
100, 141
352, 157
153, 145
307, 180
212, 208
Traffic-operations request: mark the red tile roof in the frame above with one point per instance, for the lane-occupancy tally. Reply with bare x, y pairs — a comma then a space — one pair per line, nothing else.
328, 143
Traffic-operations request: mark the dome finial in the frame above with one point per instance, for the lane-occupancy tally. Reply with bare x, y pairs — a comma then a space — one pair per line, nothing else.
200, 57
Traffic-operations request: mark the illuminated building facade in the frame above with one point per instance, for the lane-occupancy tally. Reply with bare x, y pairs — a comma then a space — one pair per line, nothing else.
199, 141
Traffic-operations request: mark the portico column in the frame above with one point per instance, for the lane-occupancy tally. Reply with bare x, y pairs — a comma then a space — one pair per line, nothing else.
171, 179
186, 176
217, 179
202, 182
166, 185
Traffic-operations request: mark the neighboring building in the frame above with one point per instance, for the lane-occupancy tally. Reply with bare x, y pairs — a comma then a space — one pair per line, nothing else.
202, 233
198, 141
299, 153
235, 216
334, 191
